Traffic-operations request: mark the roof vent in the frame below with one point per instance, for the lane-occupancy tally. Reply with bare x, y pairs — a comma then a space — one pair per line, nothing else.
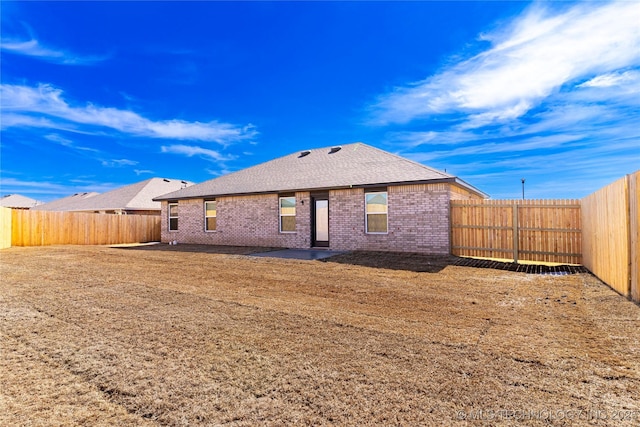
304, 153
166, 180
335, 149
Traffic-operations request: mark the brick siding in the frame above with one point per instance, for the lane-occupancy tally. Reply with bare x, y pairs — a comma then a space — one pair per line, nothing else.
418, 220
241, 221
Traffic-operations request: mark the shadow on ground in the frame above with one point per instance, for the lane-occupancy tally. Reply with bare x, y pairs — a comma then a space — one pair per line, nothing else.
207, 249
419, 263
435, 263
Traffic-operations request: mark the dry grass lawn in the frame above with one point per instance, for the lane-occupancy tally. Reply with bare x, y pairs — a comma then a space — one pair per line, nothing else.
135, 336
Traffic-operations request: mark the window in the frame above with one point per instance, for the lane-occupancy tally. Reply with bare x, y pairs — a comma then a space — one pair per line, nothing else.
210, 216
376, 212
287, 214
173, 217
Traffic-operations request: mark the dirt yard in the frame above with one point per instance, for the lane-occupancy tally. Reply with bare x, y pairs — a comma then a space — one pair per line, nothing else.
141, 336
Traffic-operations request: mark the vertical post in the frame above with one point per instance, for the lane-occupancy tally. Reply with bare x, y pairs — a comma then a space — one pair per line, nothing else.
515, 233
634, 234
43, 224
450, 227
627, 209
522, 188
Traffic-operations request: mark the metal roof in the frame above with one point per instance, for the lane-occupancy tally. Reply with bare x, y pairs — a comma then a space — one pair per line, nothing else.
352, 165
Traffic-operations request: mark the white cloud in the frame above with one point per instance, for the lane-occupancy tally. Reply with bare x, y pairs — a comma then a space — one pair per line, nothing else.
20, 120
115, 163
587, 137
529, 60
26, 104
614, 79
59, 139
142, 171
33, 48
21, 186
413, 139
190, 151
223, 171
54, 137
553, 99
562, 125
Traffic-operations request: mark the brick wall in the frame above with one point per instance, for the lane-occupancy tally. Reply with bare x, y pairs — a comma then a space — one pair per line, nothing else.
418, 221
241, 221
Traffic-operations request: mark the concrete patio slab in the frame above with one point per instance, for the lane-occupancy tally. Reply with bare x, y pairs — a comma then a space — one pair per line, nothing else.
303, 254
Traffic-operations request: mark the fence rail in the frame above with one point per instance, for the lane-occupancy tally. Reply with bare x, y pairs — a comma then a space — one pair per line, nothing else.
42, 228
532, 230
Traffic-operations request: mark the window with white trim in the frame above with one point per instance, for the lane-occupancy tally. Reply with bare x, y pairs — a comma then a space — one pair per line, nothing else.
210, 215
287, 214
173, 217
376, 212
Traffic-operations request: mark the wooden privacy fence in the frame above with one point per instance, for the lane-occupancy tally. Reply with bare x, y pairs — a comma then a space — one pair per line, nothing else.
611, 246
41, 228
5, 227
532, 230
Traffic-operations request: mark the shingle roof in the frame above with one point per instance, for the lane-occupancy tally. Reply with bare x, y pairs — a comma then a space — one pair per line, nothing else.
18, 201
65, 203
138, 196
323, 168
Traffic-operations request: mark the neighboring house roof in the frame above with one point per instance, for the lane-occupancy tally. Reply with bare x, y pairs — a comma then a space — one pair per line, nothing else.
138, 196
352, 165
18, 201
64, 203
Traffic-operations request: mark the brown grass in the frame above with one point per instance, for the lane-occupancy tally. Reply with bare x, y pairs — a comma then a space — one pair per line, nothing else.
106, 336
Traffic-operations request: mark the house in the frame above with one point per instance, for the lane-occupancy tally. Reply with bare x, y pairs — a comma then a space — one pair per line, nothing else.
17, 201
65, 202
131, 199
344, 198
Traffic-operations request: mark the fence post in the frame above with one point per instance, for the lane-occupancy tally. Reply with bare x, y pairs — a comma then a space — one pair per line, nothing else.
627, 203
634, 234
515, 233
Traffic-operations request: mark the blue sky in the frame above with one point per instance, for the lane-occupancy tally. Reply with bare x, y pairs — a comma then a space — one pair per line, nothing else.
96, 95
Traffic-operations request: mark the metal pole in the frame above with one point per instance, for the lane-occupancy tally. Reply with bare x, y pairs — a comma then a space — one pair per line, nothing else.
522, 188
